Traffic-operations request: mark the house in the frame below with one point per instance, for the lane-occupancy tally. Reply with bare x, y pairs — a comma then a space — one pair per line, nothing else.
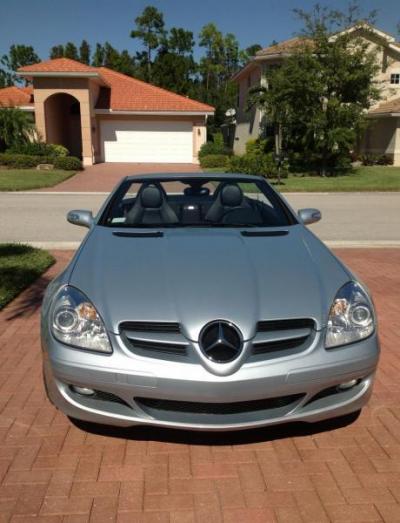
383, 133
101, 115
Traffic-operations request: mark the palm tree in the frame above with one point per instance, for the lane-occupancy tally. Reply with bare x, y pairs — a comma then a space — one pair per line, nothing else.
16, 126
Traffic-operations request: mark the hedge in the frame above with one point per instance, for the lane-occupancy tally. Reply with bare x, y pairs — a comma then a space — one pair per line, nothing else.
213, 160
39, 149
259, 164
68, 163
26, 161
23, 161
376, 159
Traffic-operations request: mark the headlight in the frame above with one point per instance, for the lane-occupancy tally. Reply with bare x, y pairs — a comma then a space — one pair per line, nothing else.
75, 321
351, 317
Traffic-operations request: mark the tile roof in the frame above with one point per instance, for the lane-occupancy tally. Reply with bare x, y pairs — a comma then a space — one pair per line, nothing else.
129, 94
16, 96
123, 93
390, 106
284, 47
58, 65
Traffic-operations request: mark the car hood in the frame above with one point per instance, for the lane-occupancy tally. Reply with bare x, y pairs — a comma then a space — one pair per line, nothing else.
194, 276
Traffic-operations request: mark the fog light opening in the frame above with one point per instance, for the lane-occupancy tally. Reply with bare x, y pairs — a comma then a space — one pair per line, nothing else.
83, 391
348, 385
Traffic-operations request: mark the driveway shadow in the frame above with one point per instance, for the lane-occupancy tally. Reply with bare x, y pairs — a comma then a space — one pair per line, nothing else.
239, 437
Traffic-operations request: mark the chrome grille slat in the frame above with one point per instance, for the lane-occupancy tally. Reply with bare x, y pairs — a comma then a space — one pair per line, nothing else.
154, 339
275, 338
150, 326
293, 323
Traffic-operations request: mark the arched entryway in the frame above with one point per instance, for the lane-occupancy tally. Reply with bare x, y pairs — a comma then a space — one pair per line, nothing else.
63, 122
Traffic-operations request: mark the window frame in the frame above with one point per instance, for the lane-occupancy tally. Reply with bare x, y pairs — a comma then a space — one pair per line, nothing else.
263, 186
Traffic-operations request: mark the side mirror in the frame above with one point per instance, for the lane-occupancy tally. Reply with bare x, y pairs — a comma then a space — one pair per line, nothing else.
308, 216
82, 218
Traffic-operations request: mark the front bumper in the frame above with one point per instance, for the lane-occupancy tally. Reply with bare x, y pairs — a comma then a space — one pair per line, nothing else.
132, 390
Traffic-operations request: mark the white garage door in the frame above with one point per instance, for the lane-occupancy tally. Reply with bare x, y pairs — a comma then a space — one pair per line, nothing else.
152, 141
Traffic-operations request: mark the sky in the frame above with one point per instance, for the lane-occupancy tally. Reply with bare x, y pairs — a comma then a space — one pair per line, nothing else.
44, 23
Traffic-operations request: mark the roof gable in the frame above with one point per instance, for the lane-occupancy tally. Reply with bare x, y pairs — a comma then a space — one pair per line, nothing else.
122, 92
58, 65
129, 94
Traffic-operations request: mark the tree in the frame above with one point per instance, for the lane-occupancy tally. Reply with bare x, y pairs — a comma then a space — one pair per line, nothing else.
70, 51
18, 56
174, 66
221, 61
57, 51
98, 56
320, 94
16, 127
150, 30
247, 54
84, 52
107, 56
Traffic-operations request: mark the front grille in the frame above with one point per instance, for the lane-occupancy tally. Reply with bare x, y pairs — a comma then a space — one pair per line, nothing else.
161, 347
240, 407
150, 326
276, 325
278, 338
154, 339
272, 346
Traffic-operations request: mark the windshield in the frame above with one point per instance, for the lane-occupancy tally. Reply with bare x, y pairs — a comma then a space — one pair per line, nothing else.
195, 202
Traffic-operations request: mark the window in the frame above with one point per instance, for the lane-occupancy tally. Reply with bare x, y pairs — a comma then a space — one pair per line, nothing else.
196, 202
395, 78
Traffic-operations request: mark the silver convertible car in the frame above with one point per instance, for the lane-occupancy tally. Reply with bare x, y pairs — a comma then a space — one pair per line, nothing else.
203, 302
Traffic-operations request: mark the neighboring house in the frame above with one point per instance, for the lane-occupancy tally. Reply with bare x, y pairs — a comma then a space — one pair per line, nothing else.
104, 116
382, 136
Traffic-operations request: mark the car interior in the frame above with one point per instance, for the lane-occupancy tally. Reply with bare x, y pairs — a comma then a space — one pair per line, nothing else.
197, 204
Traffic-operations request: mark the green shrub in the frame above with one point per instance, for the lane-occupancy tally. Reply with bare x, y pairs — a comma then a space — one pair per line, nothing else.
58, 150
217, 146
68, 163
38, 149
16, 126
259, 164
214, 160
23, 161
376, 159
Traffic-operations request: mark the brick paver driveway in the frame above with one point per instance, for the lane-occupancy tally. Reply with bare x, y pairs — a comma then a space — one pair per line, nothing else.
53, 471
103, 177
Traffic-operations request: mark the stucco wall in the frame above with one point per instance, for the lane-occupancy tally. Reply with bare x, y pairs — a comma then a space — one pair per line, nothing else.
247, 122
383, 137
79, 88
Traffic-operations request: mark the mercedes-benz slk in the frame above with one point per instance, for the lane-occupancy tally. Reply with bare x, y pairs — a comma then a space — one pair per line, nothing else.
203, 301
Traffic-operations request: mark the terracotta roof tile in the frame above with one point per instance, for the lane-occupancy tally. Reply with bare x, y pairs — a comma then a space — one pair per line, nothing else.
16, 96
58, 65
123, 93
129, 94
391, 106
286, 46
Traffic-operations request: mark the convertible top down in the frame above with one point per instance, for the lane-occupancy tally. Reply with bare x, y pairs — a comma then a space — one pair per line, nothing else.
204, 302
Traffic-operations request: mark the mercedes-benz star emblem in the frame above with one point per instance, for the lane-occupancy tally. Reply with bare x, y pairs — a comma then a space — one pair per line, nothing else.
221, 341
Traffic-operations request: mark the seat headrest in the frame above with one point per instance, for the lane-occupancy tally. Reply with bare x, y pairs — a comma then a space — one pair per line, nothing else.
231, 195
151, 197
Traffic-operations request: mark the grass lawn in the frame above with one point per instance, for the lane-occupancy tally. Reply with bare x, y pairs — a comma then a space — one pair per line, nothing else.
20, 265
25, 179
361, 179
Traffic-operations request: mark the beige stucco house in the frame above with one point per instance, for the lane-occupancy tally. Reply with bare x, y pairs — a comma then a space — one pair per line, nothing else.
383, 134
104, 116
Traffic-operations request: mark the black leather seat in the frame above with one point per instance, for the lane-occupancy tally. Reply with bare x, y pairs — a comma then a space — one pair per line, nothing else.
231, 207
151, 207
229, 197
